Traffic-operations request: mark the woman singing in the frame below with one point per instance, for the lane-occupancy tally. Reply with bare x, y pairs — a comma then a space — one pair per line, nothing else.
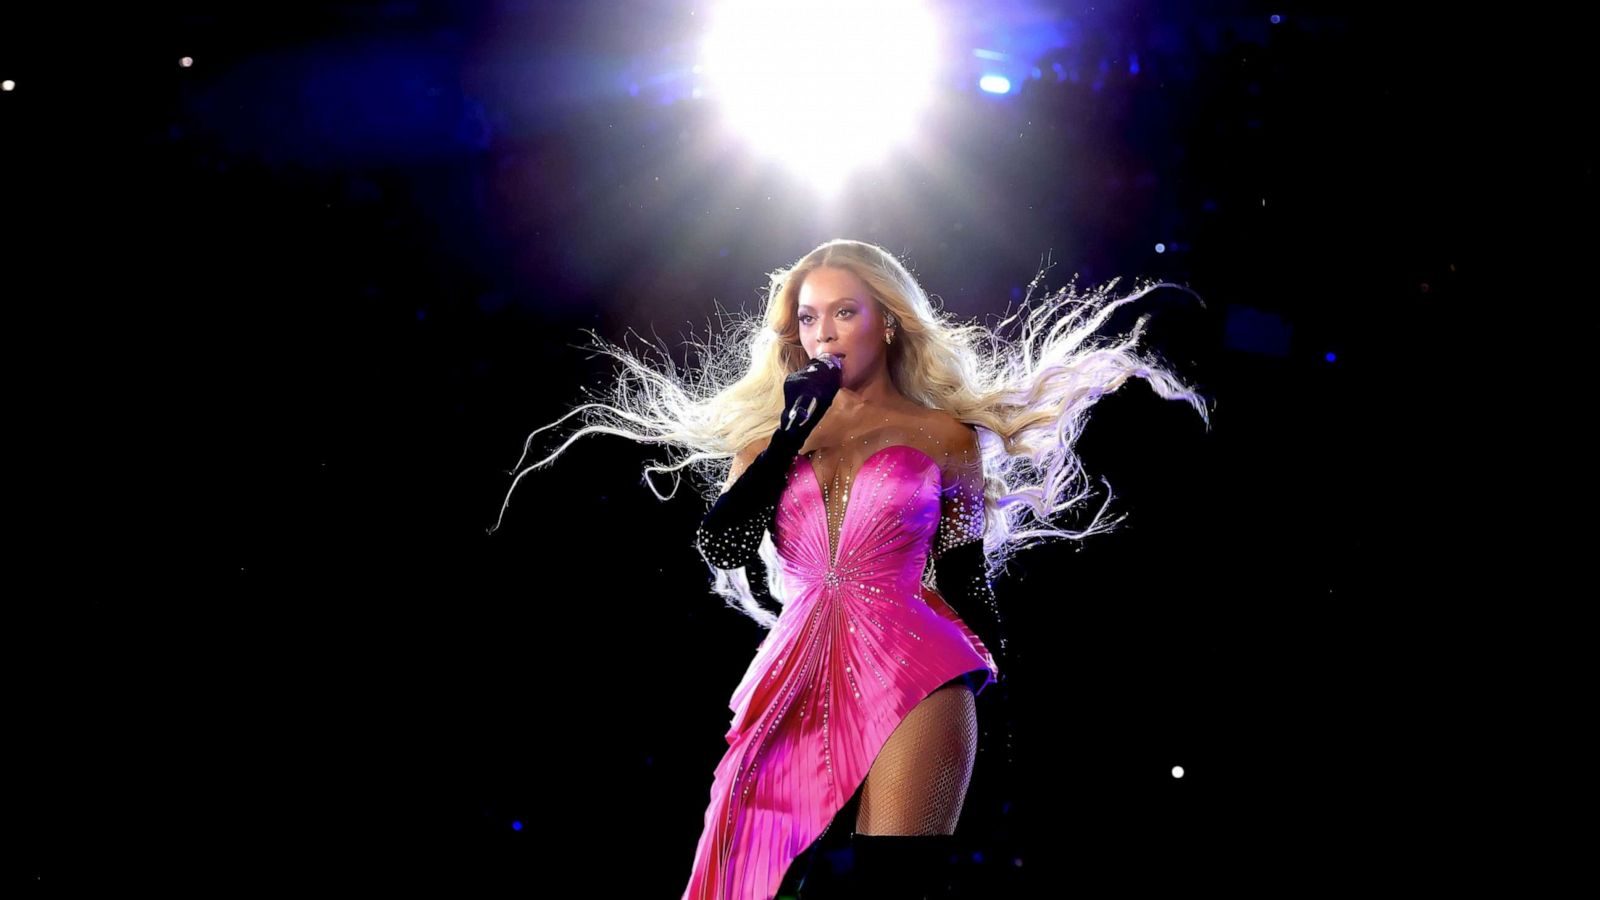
884, 461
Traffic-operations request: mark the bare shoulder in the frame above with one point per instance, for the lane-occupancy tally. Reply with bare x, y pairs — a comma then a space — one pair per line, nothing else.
958, 436
957, 439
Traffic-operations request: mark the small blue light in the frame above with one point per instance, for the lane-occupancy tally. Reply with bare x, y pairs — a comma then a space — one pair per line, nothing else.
1276, 19
516, 826
1161, 248
995, 84
1329, 356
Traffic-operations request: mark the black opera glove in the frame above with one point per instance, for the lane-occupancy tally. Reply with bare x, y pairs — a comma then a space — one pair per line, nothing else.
961, 577
730, 534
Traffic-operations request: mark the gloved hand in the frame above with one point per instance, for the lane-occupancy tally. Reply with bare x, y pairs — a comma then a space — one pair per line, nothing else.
807, 395
730, 534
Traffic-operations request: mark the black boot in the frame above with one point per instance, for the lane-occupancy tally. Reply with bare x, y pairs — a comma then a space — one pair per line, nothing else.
901, 866
794, 880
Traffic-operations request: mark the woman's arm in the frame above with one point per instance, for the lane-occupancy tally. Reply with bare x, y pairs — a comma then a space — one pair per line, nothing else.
961, 578
742, 460
960, 567
730, 534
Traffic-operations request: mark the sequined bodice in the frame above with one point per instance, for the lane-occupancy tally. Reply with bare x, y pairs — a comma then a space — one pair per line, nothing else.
891, 468
862, 580
887, 511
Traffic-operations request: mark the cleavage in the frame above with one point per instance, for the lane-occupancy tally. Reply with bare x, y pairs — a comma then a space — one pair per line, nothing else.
837, 483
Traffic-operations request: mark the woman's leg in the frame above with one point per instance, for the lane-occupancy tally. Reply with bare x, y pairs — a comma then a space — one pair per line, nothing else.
919, 781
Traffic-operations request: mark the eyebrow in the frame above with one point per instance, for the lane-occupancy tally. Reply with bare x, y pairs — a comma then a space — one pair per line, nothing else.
840, 300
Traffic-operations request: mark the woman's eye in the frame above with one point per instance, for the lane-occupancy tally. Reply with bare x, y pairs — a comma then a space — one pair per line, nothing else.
805, 316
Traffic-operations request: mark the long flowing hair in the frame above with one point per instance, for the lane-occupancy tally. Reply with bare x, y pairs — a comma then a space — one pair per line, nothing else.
1027, 384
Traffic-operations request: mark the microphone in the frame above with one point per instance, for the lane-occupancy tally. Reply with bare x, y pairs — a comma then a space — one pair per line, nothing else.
806, 406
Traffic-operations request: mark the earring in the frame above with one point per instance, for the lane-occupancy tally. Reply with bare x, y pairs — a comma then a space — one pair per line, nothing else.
888, 333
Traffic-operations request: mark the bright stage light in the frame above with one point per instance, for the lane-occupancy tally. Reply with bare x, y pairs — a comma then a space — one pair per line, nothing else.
825, 86
995, 84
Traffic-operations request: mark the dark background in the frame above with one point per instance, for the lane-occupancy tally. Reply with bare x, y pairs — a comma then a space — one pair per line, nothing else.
290, 313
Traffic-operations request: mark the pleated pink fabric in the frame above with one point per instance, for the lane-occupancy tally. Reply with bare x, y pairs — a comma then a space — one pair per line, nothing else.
857, 646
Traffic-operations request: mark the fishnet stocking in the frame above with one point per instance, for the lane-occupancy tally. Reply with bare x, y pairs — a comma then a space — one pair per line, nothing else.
919, 780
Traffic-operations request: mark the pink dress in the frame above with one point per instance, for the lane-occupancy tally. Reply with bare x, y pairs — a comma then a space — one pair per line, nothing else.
857, 645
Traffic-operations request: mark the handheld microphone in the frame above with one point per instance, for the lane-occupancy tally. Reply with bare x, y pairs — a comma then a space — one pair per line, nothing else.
807, 406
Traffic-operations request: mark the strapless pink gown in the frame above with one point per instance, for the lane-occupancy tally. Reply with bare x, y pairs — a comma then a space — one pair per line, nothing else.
859, 643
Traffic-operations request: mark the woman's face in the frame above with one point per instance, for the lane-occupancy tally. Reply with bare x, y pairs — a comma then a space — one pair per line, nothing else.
837, 314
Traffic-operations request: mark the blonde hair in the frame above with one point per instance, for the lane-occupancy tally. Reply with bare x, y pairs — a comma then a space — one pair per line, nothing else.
1029, 395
